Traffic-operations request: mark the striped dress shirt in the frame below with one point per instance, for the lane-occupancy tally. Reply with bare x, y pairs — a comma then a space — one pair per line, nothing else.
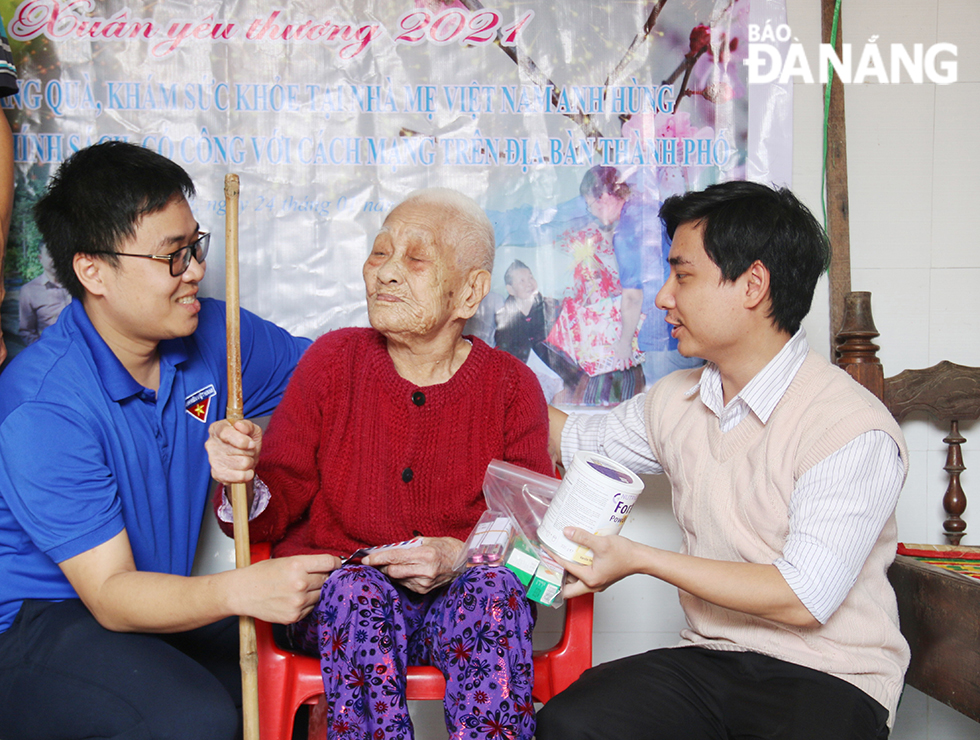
837, 508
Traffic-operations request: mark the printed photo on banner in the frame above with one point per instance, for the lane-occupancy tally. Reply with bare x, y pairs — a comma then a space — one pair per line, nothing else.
568, 122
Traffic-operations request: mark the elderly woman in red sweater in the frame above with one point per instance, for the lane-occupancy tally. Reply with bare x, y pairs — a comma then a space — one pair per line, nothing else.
386, 433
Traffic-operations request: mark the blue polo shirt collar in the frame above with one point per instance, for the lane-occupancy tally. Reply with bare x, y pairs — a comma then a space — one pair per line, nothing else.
117, 381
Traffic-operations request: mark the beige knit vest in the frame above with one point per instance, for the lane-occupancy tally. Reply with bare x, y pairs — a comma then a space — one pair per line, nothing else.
731, 495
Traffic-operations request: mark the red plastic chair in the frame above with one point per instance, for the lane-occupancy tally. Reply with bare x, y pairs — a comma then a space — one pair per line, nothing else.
287, 680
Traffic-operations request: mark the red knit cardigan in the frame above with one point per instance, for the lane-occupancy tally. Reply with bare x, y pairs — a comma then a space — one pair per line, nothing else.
355, 455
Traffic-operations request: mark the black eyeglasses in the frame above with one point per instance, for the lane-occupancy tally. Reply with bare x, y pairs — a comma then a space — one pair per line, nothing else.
181, 259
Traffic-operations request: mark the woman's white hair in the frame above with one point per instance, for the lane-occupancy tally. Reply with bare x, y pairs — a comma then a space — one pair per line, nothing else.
466, 226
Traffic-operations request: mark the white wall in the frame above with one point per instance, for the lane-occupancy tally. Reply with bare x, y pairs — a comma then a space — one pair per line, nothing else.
912, 193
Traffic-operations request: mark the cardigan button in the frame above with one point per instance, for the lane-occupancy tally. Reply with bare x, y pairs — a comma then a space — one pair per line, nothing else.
418, 398
407, 475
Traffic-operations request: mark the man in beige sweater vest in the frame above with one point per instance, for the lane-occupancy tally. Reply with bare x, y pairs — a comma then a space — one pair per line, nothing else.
784, 473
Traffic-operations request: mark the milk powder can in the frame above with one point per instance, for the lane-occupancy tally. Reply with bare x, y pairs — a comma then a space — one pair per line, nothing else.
597, 495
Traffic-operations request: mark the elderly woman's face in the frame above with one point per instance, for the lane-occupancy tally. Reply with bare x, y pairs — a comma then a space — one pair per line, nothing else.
412, 279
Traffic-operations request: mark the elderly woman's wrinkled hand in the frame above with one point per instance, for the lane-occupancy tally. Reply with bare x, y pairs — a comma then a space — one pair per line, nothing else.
422, 568
233, 450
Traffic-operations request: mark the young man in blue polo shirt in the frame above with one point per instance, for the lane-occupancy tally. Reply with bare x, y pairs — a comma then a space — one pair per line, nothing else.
104, 476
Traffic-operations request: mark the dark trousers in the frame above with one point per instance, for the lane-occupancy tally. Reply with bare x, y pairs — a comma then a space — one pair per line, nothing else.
697, 694
64, 676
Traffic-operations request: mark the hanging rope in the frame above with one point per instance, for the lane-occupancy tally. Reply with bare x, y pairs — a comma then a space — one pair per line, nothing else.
826, 112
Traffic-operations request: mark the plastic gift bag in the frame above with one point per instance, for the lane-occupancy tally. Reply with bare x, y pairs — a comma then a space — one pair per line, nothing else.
488, 543
506, 534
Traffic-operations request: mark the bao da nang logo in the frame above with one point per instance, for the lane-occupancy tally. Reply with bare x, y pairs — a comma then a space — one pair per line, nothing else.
771, 62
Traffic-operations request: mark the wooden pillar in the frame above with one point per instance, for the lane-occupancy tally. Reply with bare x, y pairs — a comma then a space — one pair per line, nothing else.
838, 223
856, 353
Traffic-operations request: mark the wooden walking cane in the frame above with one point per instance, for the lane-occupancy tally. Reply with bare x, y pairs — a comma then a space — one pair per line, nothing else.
239, 503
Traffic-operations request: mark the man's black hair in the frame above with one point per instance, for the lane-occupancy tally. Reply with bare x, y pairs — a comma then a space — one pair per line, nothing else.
744, 222
96, 199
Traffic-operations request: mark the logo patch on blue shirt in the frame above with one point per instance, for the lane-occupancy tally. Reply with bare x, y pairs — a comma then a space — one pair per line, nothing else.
198, 403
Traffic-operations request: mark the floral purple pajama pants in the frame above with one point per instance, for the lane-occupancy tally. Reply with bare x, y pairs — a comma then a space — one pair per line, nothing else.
476, 630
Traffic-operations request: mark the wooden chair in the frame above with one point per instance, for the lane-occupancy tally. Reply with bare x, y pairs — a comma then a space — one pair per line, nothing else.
288, 680
939, 611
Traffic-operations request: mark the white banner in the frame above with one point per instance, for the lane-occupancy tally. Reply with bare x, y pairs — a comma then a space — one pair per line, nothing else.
331, 117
